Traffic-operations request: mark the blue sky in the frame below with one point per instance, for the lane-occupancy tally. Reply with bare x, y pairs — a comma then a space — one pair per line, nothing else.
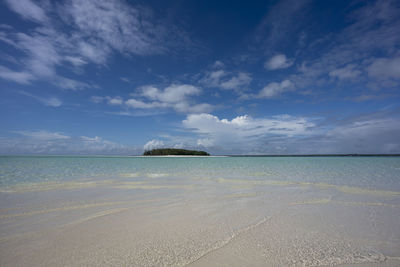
229, 77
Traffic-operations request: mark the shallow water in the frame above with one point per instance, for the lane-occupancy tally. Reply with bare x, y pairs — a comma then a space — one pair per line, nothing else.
205, 211
366, 172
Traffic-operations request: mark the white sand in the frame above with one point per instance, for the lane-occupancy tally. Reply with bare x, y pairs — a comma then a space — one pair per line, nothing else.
208, 224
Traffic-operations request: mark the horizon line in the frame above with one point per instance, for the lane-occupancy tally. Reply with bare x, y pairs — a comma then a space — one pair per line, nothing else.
226, 155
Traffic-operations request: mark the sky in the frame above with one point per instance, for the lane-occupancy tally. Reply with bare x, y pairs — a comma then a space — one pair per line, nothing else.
88, 77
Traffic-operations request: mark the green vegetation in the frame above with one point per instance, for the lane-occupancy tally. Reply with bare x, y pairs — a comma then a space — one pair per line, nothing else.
175, 152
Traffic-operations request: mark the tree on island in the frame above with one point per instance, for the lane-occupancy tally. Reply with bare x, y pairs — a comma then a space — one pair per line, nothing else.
174, 152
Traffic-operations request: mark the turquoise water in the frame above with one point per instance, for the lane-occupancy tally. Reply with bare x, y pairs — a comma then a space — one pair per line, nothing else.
382, 173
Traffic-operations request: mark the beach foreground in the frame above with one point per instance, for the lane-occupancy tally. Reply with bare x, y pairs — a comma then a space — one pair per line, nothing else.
199, 212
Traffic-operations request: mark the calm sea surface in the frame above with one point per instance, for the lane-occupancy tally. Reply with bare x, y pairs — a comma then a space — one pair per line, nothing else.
382, 173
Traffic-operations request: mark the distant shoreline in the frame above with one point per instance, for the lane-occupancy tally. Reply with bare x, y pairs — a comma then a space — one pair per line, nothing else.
321, 155
180, 156
212, 156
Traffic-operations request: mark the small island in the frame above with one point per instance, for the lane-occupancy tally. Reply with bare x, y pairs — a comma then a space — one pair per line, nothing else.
174, 152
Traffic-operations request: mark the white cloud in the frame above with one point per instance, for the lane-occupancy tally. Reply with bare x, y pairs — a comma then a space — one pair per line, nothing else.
78, 32
218, 64
283, 134
372, 133
213, 78
45, 142
91, 139
47, 101
95, 53
176, 96
278, 62
115, 101
218, 77
179, 97
153, 144
275, 89
375, 29
96, 99
27, 9
149, 91
142, 105
346, 73
365, 135
21, 77
383, 68
8, 40
52, 102
75, 60
42, 54
247, 126
172, 94
244, 133
118, 26
43, 135
241, 80
70, 84
205, 142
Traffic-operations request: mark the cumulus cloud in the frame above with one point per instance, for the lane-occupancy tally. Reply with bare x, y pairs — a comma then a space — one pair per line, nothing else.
247, 126
275, 89
278, 62
213, 78
244, 133
241, 80
283, 134
178, 97
153, 144
171, 94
